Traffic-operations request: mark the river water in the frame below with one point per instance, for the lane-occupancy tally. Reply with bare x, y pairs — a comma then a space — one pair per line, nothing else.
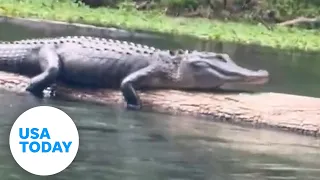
120, 144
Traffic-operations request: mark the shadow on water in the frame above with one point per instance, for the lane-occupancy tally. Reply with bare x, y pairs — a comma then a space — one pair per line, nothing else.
118, 144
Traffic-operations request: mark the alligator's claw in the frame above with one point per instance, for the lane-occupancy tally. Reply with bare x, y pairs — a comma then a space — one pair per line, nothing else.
133, 107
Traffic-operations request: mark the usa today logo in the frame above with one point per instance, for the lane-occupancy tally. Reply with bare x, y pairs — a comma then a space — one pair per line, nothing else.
44, 140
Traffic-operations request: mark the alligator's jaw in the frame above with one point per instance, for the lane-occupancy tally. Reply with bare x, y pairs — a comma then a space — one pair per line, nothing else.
256, 81
259, 77
256, 78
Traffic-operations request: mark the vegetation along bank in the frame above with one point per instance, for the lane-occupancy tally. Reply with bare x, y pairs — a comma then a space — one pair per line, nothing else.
244, 27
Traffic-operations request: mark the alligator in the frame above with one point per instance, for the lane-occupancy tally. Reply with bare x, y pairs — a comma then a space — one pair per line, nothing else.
107, 63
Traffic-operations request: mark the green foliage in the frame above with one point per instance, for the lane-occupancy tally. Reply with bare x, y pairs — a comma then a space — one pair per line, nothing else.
284, 8
293, 8
126, 5
181, 4
129, 18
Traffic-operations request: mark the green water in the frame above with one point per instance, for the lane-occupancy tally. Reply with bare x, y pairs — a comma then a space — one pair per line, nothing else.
119, 144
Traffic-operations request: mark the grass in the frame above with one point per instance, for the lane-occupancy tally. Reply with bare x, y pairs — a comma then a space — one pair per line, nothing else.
128, 18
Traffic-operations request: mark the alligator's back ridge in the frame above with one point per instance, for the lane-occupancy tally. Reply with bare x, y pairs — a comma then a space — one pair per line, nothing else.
76, 52
85, 41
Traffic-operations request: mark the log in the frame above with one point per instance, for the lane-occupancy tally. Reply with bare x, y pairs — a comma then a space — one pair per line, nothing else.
292, 113
298, 21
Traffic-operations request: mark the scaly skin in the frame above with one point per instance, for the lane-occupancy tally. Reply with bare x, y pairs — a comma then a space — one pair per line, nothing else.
106, 63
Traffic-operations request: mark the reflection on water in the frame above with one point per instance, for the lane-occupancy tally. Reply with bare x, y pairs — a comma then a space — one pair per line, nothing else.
119, 144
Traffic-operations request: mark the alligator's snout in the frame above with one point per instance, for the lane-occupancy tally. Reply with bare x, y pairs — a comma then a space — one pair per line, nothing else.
263, 72
258, 77
260, 73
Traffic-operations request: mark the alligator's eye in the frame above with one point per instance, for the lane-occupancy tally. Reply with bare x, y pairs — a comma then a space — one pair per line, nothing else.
172, 52
221, 58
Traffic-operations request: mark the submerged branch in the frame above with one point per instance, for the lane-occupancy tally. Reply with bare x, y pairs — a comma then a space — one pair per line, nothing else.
287, 112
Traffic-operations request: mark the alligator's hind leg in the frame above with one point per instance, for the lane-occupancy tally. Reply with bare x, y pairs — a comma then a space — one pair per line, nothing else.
49, 62
128, 83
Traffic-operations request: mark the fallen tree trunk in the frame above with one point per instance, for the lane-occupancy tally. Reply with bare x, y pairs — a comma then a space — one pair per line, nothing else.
299, 20
282, 111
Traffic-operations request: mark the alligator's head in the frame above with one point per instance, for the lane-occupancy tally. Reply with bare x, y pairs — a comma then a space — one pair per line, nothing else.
205, 70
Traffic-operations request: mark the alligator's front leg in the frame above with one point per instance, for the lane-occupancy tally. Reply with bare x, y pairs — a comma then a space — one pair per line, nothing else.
127, 86
49, 62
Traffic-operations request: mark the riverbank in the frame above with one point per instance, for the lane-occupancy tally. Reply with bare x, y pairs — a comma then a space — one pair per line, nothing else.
131, 19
